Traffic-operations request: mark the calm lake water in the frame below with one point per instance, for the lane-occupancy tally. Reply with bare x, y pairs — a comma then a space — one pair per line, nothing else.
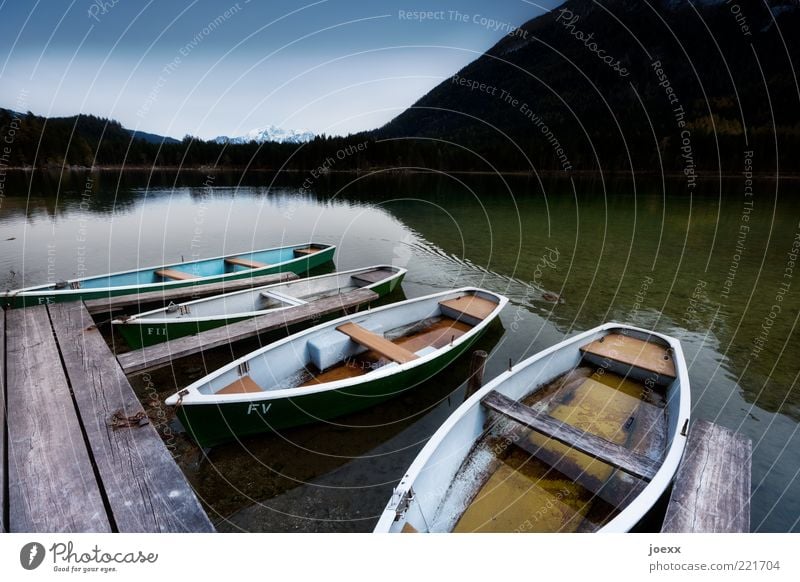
715, 270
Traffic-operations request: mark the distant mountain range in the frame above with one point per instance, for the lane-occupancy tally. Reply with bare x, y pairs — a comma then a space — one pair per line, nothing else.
271, 133
592, 86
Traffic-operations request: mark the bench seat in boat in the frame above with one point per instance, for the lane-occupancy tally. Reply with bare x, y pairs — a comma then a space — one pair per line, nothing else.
333, 346
241, 385
175, 274
469, 308
247, 263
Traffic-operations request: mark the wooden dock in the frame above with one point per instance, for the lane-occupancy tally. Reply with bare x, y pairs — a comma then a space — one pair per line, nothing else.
81, 455
712, 488
163, 354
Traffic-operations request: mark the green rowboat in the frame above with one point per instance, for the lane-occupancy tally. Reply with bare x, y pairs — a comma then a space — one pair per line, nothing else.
191, 317
336, 368
298, 259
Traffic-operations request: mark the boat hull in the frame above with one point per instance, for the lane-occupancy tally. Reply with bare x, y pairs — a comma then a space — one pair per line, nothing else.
212, 424
141, 334
48, 296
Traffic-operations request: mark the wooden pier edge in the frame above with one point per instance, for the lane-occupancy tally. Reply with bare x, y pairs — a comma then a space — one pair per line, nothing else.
51, 482
144, 487
711, 493
163, 354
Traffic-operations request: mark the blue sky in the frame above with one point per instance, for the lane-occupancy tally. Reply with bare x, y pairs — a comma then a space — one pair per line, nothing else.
208, 68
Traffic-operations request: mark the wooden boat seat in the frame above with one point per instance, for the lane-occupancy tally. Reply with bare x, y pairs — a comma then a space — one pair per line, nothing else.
239, 261
377, 343
435, 336
371, 277
629, 350
242, 385
304, 252
599, 448
609, 410
470, 305
175, 274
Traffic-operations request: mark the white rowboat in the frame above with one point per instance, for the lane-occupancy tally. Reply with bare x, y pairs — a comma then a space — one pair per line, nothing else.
584, 436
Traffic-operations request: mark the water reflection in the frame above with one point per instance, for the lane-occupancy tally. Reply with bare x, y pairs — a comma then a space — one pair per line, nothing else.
610, 251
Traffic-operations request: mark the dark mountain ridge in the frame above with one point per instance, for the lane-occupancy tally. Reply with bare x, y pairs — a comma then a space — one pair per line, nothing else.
597, 75
593, 86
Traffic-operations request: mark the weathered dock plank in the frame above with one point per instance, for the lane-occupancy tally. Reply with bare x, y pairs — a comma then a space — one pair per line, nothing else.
159, 355
3, 457
146, 490
107, 304
589, 444
51, 483
712, 488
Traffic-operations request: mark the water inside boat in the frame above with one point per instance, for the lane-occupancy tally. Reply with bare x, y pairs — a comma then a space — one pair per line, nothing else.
528, 482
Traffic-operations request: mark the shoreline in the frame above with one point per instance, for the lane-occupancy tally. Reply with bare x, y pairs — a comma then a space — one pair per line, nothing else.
390, 170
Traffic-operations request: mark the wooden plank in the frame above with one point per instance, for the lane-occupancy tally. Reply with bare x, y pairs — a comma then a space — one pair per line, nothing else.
377, 343
244, 262
634, 352
616, 495
648, 437
649, 431
107, 304
306, 251
51, 482
471, 305
436, 336
159, 355
374, 276
174, 274
589, 444
146, 490
3, 457
242, 385
712, 488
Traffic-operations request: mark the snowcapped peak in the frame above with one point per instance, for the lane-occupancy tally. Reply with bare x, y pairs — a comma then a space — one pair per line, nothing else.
269, 133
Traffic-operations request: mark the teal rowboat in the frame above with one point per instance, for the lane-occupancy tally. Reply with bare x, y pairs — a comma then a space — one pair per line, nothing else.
297, 258
191, 317
339, 367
